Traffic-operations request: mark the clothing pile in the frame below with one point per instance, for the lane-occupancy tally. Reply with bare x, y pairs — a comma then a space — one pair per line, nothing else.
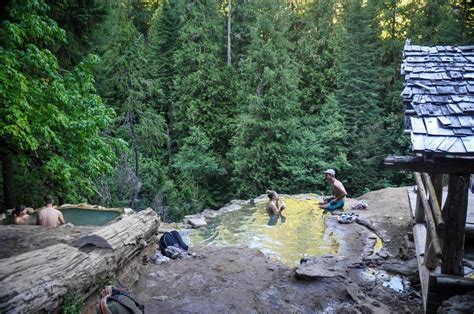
159, 258
175, 252
347, 218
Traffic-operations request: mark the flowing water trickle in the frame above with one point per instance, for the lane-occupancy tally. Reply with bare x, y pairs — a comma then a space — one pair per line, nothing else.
299, 232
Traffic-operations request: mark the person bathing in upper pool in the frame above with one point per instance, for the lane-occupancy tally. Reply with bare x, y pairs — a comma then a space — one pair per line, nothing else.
336, 201
49, 216
274, 208
274, 205
21, 216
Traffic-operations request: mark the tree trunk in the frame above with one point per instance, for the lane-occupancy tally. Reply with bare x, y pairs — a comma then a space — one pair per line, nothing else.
136, 188
229, 32
454, 215
37, 281
7, 173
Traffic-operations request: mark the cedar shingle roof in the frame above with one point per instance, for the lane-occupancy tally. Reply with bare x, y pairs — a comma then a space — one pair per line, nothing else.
439, 98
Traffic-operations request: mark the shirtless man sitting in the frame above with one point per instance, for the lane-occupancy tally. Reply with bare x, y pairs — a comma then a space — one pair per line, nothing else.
49, 216
336, 201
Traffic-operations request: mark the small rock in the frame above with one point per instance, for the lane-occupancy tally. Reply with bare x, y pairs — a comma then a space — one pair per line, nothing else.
68, 225
376, 304
142, 244
128, 211
230, 208
465, 307
383, 253
195, 221
210, 213
311, 272
161, 298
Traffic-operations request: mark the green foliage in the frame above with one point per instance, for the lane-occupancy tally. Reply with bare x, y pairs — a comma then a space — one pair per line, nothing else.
268, 108
318, 50
72, 304
442, 22
51, 117
312, 85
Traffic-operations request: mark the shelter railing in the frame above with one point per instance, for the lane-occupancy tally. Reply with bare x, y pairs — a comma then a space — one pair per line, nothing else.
428, 211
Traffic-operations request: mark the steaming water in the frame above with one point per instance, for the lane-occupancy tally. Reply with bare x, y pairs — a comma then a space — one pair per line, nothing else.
298, 233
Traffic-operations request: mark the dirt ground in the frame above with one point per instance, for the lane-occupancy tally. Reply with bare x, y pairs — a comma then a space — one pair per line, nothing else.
242, 280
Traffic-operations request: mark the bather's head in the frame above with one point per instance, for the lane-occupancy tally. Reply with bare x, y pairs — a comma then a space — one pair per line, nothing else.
48, 200
20, 210
272, 195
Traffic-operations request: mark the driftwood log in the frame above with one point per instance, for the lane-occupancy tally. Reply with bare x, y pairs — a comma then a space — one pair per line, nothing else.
37, 281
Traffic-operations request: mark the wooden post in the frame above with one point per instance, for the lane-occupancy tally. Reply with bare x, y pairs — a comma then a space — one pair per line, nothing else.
434, 202
437, 180
432, 241
430, 261
419, 211
454, 215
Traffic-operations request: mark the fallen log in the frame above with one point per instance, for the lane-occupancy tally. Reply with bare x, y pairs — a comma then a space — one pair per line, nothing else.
37, 281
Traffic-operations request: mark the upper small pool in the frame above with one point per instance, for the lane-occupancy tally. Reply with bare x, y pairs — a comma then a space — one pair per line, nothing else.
299, 233
88, 217
79, 216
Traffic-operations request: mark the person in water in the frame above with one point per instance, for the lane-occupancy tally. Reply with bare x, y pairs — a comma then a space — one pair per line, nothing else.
274, 208
49, 216
274, 205
21, 216
336, 201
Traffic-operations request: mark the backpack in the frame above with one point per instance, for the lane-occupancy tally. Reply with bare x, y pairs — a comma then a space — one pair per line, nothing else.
118, 301
172, 238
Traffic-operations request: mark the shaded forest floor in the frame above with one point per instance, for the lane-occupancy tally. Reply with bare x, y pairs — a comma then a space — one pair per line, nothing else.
239, 279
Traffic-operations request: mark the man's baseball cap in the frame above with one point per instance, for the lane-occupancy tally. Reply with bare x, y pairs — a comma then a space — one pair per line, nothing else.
331, 172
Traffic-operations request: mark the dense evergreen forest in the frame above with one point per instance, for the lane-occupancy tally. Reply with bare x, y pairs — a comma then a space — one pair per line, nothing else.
183, 105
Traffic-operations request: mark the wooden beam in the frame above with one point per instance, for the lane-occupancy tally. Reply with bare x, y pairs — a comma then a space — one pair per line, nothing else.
419, 210
419, 235
454, 215
429, 217
437, 180
434, 165
434, 204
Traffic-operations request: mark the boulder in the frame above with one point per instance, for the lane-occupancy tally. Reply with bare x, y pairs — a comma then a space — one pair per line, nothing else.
210, 213
230, 208
196, 221
314, 271
128, 211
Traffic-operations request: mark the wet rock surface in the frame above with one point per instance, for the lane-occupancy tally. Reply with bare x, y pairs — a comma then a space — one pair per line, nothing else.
458, 304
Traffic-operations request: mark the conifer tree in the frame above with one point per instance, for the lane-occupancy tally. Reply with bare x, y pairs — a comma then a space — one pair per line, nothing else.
200, 98
359, 97
268, 101
440, 22
124, 84
318, 50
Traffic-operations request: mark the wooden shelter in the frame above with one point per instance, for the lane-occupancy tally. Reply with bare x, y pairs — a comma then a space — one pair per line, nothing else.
438, 96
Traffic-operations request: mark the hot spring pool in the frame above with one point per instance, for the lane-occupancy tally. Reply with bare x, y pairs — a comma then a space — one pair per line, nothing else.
299, 233
83, 217
79, 216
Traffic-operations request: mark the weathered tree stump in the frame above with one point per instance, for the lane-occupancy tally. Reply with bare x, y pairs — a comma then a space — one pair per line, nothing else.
37, 281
